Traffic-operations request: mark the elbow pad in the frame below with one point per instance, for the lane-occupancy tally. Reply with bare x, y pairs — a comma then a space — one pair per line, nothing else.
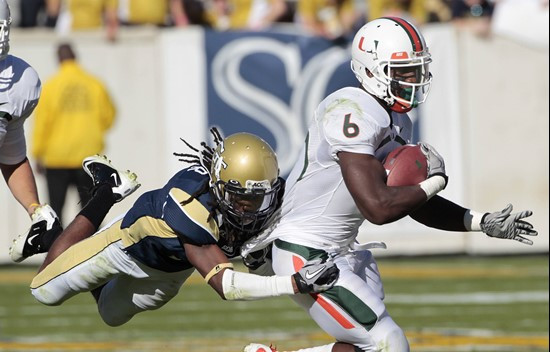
243, 286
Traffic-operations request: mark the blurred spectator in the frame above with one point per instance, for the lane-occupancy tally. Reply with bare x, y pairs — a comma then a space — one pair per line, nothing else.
77, 15
416, 11
331, 19
155, 12
244, 14
195, 12
34, 13
73, 114
474, 15
412, 10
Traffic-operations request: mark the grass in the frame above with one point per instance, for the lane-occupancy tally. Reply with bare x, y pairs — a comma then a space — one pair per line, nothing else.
443, 304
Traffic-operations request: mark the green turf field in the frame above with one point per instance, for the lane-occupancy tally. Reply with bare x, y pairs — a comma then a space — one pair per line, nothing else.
444, 304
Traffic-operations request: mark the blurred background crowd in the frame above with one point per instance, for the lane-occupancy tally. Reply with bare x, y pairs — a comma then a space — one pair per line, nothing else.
334, 19
133, 86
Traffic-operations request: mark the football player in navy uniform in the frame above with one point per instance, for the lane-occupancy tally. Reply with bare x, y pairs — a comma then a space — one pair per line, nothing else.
140, 260
19, 94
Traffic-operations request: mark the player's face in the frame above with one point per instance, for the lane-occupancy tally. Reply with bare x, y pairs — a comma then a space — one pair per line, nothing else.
409, 74
404, 78
246, 203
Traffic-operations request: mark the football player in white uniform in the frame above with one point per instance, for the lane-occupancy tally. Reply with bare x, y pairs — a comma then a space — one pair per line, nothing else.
340, 182
19, 94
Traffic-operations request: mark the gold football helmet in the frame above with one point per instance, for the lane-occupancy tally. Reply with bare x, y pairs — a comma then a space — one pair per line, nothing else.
245, 182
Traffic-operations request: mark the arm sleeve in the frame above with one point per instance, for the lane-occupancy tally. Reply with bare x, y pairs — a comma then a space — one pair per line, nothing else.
243, 286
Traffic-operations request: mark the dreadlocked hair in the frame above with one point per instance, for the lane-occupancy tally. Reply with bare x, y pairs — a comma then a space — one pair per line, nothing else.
202, 158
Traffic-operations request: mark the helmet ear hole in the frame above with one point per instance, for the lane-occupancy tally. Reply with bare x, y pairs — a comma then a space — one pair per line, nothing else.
369, 74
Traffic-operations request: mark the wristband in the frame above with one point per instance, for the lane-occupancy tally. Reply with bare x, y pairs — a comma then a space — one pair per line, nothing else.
433, 185
215, 270
472, 220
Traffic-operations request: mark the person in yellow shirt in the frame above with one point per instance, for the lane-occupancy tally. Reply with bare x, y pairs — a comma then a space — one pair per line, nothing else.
157, 12
78, 15
418, 12
244, 14
331, 19
70, 122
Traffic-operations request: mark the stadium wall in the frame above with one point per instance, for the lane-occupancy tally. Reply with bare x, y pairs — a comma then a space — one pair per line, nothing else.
487, 114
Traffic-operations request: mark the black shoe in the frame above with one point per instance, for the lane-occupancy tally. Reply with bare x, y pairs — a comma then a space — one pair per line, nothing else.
100, 169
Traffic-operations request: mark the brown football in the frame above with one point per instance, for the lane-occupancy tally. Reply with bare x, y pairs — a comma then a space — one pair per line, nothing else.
406, 166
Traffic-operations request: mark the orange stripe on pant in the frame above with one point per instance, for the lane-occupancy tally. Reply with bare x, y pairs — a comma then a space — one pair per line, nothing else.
346, 324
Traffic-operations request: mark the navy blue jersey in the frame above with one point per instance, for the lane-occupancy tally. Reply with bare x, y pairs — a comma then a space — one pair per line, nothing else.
156, 225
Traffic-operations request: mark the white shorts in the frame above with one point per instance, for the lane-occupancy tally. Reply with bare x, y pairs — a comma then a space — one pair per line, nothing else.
130, 287
353, 310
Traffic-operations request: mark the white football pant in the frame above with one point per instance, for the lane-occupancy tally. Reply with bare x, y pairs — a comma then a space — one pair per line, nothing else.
352, 311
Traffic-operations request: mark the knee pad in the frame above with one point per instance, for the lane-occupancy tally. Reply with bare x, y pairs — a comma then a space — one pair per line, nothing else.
45, 296
389, 336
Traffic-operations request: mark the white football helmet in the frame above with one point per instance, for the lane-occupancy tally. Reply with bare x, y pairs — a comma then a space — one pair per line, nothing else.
5, 23
390, 59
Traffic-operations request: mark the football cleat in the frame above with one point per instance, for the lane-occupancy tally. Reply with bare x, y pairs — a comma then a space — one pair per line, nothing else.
100, 169
44, 221
258, 347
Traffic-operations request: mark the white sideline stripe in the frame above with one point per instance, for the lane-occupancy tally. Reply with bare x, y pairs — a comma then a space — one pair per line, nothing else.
280, 306
469, 298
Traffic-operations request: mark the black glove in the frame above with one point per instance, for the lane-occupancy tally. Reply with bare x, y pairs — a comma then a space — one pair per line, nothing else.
316, 276
256, 259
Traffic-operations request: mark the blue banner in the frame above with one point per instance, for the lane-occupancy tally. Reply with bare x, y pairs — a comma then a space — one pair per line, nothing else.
270, 83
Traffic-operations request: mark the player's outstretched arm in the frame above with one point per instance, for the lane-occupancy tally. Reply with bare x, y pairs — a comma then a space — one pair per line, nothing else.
213, 265
443, 214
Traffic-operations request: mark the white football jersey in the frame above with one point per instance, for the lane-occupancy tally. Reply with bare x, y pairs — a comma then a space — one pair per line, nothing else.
318, 210
19, 93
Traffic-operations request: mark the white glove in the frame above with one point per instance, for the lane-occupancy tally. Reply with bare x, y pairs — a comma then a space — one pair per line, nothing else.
504, 224
436, 164
46, 214
317, 276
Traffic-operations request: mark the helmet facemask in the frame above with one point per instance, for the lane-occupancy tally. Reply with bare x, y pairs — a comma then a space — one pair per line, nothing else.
408, 82
247, 209
244, 181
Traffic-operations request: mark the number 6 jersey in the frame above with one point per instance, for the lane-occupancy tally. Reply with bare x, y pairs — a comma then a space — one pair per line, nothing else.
318, 210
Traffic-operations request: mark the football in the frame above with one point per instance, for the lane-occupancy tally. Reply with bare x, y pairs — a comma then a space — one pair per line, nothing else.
406, 166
